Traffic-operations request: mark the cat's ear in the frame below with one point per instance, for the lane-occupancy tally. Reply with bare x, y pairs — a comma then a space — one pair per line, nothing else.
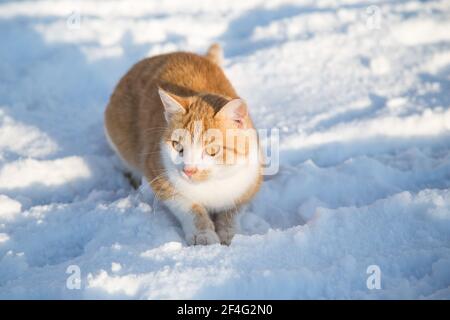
236, 111
171, 105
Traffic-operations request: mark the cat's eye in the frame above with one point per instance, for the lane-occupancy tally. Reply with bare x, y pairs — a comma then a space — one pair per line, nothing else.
213, 150
177, 146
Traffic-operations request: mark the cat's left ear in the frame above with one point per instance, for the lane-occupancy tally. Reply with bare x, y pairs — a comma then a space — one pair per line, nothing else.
171, 105
236, 111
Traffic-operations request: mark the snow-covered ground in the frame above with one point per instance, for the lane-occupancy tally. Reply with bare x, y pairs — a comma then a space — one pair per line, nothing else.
360, 91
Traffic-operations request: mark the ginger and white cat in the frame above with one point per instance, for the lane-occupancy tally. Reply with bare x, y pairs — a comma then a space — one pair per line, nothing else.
176, 119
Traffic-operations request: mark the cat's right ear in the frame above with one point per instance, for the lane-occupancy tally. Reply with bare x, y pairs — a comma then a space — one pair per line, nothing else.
171, 105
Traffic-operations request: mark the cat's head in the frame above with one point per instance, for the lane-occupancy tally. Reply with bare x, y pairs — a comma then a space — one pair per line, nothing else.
207, 136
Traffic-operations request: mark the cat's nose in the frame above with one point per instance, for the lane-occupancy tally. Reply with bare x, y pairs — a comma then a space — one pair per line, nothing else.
189, 171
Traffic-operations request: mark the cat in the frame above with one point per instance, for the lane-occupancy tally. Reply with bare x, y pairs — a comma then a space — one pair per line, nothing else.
169, 119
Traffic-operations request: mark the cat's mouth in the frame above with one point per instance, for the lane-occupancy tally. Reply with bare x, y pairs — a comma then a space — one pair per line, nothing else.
198, 176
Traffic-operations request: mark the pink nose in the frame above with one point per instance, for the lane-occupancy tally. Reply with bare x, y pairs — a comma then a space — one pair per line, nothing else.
189, 171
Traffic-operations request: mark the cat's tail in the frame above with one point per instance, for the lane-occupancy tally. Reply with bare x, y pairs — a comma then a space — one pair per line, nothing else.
215, 54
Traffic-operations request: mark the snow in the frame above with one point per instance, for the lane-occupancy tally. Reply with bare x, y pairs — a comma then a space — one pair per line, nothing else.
361, 98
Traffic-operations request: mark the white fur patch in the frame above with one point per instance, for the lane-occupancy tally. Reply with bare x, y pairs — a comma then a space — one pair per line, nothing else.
181, 209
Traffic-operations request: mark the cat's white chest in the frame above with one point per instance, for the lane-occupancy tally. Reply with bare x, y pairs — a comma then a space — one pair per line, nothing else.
219, 194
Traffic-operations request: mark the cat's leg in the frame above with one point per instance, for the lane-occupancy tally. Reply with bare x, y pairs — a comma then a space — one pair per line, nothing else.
195, 221
225, 225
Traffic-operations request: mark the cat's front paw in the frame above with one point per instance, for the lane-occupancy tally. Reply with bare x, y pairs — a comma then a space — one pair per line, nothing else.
226, 235
204, 237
